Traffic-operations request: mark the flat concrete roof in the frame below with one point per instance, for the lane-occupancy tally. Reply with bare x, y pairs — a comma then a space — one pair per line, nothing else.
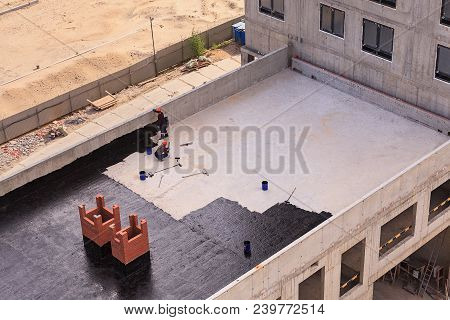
198, 224
41, 246
351, 148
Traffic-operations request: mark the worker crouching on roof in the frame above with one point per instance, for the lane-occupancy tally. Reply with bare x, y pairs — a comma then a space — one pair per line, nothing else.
162, 151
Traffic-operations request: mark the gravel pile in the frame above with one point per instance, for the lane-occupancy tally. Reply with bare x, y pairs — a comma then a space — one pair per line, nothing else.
14, 150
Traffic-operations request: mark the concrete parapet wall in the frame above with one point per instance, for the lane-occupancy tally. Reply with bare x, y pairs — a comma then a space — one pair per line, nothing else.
378, 98
280, 275
136, 114
148, 68
24, 5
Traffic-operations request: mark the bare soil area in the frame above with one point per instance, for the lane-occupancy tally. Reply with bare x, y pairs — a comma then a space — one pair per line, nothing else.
16, 150
39, 42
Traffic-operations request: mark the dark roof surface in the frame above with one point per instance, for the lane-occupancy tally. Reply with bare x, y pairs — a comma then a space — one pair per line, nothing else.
42, 254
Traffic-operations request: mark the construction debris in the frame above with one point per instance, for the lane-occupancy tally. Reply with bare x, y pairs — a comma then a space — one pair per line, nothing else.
196, 64
59, 131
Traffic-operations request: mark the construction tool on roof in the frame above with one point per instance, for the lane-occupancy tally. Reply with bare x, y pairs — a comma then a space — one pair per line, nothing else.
186, 144
152, 174
204, 171
103, 103
292, 193
160, 180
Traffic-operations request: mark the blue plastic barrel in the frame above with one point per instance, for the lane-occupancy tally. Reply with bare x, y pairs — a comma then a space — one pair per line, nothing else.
149, 150
142, 175
265, 185
247, 248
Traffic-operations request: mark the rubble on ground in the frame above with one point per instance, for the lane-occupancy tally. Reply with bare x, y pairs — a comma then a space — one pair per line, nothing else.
196, 64
14, 150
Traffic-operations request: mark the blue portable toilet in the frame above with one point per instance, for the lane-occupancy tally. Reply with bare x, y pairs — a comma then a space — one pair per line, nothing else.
240, 34
235, 27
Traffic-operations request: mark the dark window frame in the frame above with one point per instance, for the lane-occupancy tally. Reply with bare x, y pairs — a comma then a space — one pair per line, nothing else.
441, 76
271, 12
388, 3
378, 50
333, 10
444, 19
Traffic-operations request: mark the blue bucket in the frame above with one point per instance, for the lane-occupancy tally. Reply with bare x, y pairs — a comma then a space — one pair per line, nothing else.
247, 248
265, 185
142, 175
149, 150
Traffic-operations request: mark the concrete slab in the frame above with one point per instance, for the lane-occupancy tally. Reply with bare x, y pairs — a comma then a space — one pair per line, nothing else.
177, 87
109, 120
228, 65
212, 72
90, 130
158, 96
194, 79
43, 257
142, 103
237, 58
127, 111
351, 147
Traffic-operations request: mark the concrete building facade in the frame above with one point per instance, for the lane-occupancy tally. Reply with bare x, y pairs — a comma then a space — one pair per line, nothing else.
315, 266
399, 47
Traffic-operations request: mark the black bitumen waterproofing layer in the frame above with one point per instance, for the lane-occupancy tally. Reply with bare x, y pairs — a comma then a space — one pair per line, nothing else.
41, 246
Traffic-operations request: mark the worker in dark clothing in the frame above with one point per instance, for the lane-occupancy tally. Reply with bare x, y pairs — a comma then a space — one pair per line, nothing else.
161, 118
162, 123
164, 128
163, 151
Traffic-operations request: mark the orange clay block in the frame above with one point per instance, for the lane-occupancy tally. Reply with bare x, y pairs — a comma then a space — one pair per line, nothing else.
95, 223
130, 243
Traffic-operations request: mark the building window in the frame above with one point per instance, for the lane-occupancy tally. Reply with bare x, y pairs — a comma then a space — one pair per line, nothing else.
445, 17
274, 8
332, 20
443, 63
378, 39
389, 3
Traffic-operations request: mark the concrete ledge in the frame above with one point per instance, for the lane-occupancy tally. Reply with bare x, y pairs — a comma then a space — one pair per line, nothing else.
77, 98
20, 127
169, 56
115, 82
19, 7
47, 114
147, 71
325, 243
382, 100
2, 135
130, 117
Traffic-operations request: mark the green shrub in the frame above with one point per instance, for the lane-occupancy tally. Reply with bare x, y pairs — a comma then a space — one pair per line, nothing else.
198, 45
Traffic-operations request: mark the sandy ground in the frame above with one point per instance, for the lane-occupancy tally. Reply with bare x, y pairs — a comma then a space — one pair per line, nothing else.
16, 150
7, 4
52, 31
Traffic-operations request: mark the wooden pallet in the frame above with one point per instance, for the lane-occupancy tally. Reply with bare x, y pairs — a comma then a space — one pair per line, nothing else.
103, 103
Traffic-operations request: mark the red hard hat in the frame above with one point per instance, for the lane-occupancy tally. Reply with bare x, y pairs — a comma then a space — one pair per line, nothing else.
158, 109
164, 143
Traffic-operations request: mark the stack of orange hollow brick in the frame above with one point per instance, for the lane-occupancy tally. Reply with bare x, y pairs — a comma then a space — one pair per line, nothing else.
102, 226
